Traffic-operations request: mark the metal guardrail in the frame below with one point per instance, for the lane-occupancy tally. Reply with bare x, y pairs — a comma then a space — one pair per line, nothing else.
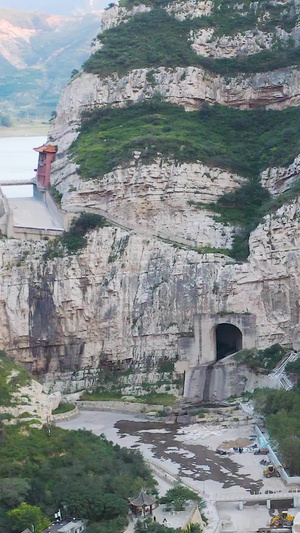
279, 372
35, 228
260, 496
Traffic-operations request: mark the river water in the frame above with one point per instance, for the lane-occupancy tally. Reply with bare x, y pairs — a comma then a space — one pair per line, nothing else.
17, 157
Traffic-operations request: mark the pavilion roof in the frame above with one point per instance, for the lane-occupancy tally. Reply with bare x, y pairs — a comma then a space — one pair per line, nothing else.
51, 148
142, 500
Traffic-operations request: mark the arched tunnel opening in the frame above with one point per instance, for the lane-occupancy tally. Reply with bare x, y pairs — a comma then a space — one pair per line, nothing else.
228, 340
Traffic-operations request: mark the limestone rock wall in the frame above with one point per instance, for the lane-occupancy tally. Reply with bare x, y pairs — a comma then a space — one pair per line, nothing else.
32, 403
79, 312
162, 198
251, 42
130, 295
279, 180
189, 86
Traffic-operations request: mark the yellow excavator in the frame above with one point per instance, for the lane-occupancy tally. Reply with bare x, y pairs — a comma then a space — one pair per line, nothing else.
272, 470
283, 519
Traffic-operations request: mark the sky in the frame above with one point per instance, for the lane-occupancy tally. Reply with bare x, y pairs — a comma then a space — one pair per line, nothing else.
56, 7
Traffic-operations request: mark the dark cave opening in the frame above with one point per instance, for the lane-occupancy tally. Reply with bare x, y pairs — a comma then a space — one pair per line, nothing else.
228, 340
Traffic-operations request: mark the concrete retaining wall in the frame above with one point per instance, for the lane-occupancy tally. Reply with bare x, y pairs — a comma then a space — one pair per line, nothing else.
56, 213
34, 234
66, 416
118, 407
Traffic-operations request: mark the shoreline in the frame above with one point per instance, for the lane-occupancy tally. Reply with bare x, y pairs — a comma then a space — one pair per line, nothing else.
25, 130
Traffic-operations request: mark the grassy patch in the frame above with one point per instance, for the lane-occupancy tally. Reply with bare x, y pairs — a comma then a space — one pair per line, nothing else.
156, 39
73, 241
153, 398
63, 408
157, 398
166, 365
101, 396
245, 142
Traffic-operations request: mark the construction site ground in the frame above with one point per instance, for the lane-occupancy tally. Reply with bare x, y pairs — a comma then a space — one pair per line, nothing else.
189, 453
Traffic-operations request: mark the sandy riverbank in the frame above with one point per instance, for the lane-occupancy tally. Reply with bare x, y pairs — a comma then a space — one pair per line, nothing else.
25, 130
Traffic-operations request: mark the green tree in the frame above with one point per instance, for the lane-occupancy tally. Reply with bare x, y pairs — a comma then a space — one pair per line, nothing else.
294, 368
290, 449
26, 516
179, 495
13, 491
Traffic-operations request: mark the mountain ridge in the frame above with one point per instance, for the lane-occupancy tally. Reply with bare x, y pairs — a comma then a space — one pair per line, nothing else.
38, 52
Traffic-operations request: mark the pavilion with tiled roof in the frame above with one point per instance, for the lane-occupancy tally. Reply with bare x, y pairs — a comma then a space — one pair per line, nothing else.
142, 503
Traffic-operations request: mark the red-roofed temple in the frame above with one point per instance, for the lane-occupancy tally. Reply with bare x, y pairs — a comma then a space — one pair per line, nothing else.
46, 156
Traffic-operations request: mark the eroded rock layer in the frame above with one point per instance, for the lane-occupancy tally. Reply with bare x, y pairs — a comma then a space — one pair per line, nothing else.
145, 288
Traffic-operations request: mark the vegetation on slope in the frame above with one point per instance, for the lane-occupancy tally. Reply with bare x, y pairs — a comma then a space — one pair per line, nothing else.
229, 17
246, 207
294, 368
157, 39
262, 360
114, 383
73, 241
281, 410
245, 142
72, 470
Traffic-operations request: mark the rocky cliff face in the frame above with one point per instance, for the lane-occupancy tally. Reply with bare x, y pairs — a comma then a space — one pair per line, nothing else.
145, 288
132, 297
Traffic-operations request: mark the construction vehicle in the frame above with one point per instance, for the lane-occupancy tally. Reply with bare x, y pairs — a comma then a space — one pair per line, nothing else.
261, 451
272, 471
283, 519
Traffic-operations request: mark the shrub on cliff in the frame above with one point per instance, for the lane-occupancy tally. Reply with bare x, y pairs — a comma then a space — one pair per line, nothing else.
262, 360
158, 39
74, 240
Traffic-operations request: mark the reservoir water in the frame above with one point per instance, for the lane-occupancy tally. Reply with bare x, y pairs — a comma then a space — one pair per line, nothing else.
17, 157
17, 163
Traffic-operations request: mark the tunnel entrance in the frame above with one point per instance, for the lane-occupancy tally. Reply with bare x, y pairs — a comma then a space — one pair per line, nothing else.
228, 340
